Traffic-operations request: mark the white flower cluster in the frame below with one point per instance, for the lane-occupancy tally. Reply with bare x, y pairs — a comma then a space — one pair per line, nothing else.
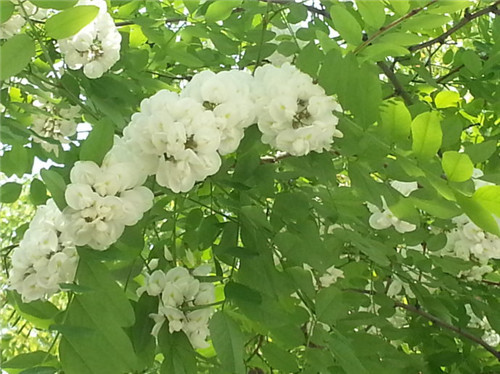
180, 137
468, 241
383, 219
184, 301
102, 201
294, 114
96, 47
228, 95
176, 138
53, 122
44, 259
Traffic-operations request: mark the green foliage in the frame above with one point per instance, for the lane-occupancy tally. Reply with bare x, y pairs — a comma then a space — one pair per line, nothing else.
304, 283
70, 21
15, 54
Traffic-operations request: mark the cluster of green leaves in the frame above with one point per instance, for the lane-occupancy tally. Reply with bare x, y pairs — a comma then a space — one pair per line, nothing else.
417, 81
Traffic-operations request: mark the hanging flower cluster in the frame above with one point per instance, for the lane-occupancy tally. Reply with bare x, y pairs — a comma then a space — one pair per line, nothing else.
185, 302
228, 96
469, 242
179, 138
54, 122
44, 258
96, 47
102, 201
294, 114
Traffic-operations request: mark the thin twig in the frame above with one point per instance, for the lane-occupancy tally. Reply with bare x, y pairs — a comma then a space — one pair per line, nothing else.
493, 8
132, 22
399, 89
391, 25
446, 325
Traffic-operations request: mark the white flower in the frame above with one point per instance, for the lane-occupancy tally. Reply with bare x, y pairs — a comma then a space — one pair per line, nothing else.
294, 114
404, 188
383, 219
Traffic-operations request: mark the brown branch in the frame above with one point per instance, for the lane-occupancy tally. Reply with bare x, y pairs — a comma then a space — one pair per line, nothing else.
493, 8
391, 25
449, 74
446, 325
399, 89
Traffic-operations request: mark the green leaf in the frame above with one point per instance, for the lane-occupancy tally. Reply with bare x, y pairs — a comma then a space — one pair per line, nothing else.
372, 12
309, 59
54, 4
457, 166
449, 6
56, 186
6, 10
346, 24
447, 99
221, 10
40, 313
98, 143
178, 352
68, 22
343, 352
400, 6
489, 198
427, 134
280, 359
480, 152
478, 213
379, 51
38, 192
239, 291
425, 21
29, 360
228, 341
94, 341
472, 62
395, 120
15, 55
9, 192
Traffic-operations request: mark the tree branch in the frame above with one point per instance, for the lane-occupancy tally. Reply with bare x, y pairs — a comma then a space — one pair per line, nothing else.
391, 25
399, 89
132, 22
446, 325
467, 18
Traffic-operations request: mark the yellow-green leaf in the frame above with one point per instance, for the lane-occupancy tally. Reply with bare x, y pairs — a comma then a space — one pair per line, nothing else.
395, 120
54, 4
220, 10
427, 134
457, 166
447, 99
489, 198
